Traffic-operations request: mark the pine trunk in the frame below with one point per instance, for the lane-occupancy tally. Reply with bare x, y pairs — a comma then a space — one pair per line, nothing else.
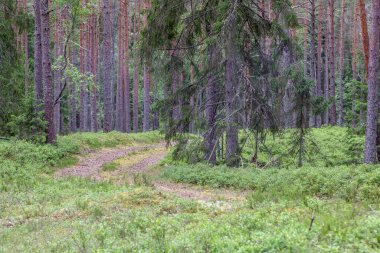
354, 65
107, 40
312, 57
47, 72
318, 89
119, 117
231, 88
136, 70
331, 50
364, 28
38, 85
341, 67
370, 152
210, 140
127, 86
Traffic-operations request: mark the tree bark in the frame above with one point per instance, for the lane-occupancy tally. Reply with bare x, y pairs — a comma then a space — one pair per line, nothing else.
326, 88
354, 64
210, 140
147, 80
82, 93
331, 50
38, 85
341, 67
57, 76
312, 57
107, 126
370, 152
231, 87
47, 72
318, 89
364, 28
127, 86
73, 111
119, 117
136, 71
94, 54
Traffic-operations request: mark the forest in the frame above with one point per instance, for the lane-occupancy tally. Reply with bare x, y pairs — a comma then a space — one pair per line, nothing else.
189, 126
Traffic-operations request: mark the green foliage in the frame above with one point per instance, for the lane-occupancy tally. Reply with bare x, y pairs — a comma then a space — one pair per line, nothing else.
70, 215
29, 124
348, 183
111, 166
22, 163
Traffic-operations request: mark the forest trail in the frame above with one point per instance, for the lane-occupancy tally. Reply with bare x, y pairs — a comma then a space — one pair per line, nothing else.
137, 165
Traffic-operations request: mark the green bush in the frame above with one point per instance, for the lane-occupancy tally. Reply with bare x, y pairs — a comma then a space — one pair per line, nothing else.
348, 183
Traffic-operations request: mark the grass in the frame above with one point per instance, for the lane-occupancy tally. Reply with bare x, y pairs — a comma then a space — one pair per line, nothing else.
39, 213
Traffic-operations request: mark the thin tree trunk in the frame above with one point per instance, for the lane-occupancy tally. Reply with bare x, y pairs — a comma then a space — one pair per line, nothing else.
318, 89
326, 88
94, 53
107, 67
210, 139
38, 85
82, 94
364, 28
57, 76
370, 152
146, 120
127, 86
331, 50
26, 52
192, 101
312, 57
354, 65
119, 117
73, 112
147, 80
341, 67
231, 87
47, 72
136, 70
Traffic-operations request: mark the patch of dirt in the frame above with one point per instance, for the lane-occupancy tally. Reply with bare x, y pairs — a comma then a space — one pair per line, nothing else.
197, 193
90, 166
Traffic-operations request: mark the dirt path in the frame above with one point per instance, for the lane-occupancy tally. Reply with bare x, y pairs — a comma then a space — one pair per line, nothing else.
90, 166
139, 160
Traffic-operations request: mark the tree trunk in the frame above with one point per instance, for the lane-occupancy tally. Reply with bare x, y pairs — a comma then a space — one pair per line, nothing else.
312, 57
146, 120
127, 87
231, 87
364, 28
38, 85
318, 89
26, 52
370, 152
326, 88
210, 140
46, 72
73, 111
331, 50
107, 126
341, 67
354, 65
94, 54
119, 117
82, 93
136, 70
147, 80
57, 76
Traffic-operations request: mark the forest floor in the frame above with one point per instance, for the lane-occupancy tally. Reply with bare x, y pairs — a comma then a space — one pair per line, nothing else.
114, 192
138, 165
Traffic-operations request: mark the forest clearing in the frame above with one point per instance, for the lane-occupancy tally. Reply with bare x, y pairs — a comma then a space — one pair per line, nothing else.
189, 126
